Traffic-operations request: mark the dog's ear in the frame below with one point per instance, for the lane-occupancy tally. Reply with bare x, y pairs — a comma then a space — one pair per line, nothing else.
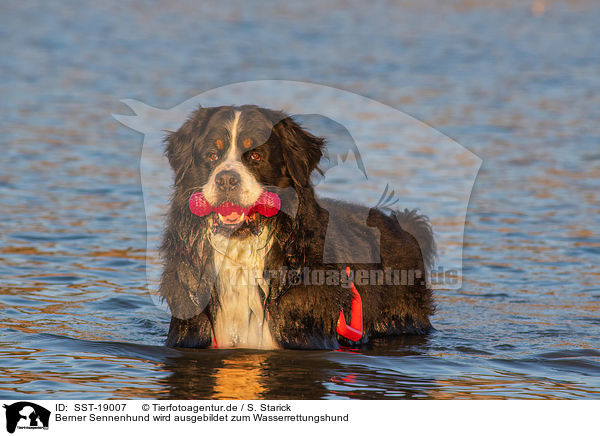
180, 144
302, 151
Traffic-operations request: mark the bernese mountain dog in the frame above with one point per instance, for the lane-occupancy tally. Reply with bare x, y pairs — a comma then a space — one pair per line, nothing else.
244, 249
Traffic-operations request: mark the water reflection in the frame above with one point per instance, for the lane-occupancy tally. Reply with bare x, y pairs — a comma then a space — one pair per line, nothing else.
406, 368
289, 374
246, 375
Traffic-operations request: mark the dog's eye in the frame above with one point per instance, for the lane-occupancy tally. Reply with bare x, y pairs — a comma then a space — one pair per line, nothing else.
255, 156
212, 157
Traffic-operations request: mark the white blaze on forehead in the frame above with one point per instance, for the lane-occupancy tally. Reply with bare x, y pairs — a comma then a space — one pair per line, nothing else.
233, 127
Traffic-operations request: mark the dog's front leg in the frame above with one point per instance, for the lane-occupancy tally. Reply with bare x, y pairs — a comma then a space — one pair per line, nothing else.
188, 297
190, 333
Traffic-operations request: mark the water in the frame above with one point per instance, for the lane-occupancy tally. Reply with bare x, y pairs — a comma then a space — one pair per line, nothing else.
519, 89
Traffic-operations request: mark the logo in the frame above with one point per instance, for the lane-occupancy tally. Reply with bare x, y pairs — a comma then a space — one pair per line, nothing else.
26, 415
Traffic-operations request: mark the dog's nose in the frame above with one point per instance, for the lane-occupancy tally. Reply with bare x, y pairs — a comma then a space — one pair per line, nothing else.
227, 181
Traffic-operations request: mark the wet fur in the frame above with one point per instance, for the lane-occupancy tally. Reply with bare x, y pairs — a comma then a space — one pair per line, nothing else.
298, 316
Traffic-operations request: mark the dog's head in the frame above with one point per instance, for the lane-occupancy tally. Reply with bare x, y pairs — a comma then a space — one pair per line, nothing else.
232, 155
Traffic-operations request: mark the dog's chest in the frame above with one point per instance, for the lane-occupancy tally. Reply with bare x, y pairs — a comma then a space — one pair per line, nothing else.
240, 319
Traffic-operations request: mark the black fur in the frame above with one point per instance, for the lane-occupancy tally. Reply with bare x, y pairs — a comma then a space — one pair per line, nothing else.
300, 316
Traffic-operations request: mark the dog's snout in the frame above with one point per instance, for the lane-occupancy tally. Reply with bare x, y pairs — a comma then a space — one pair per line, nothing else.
228, 180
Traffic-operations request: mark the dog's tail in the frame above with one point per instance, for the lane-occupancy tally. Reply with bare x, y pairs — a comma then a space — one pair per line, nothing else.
419, 227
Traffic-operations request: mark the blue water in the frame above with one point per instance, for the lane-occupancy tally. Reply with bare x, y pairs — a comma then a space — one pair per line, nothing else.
517, 86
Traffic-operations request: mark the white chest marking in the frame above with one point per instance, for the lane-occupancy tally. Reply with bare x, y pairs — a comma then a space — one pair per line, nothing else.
240, 320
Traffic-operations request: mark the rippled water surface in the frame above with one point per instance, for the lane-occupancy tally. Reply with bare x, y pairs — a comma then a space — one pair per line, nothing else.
516, 84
